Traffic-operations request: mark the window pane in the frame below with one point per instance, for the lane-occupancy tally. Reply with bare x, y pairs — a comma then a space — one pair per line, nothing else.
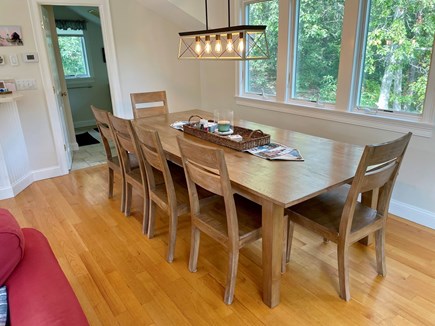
261, 74
72, 51
318, 50
397, 55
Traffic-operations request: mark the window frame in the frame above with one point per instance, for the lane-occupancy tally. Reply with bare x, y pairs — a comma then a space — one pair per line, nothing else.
88, 62
355, 23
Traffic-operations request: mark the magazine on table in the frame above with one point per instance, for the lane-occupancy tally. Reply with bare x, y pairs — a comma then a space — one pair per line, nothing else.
179, 124
275, 151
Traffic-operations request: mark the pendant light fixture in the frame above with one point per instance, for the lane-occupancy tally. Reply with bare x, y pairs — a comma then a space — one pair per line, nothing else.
244, 42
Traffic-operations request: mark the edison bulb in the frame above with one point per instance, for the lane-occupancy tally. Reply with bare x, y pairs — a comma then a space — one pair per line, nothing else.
218, 46
207, 44
198, 44
230, 45
241, 45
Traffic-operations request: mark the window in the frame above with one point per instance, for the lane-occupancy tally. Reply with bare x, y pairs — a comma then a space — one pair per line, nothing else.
373, 55
318, 50
398, 50
73, 52
261, 74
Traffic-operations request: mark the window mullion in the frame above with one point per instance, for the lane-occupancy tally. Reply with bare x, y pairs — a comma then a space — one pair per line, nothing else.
350, 57
429, 103
284, 41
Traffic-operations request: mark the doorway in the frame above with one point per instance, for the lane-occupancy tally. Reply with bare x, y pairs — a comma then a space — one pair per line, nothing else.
81, 58
60, 118
83, 63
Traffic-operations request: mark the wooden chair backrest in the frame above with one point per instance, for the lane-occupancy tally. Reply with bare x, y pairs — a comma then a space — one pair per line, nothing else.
125, 139
103, 125
149, 104
377, 169
206, 167
153, 156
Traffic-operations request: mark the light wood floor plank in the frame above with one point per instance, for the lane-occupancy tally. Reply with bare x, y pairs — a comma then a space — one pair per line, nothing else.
122, 278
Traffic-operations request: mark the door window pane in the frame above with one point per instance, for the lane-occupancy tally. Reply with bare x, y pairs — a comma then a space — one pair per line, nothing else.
318, 50
397, 55
261, 74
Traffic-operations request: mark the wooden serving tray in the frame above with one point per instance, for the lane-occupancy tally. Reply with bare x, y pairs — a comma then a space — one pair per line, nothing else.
251, 138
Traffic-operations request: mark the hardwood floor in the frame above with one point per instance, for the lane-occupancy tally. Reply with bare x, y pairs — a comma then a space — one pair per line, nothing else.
122, 277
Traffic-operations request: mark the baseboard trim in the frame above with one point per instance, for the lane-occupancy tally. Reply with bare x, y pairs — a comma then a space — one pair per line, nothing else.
84, 123
74, 146
413, 213
51, 172
16, 187
28, 179
6, 193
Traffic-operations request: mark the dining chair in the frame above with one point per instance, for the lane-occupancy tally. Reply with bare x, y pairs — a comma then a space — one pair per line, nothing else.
233, 220
128, 151
338, 216
112, 159
165, 190
149, 104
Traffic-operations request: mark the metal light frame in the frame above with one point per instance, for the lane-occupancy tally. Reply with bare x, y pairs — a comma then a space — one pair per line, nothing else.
244, 42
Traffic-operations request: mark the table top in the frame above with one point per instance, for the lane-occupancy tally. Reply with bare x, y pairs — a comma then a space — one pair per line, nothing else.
327, 164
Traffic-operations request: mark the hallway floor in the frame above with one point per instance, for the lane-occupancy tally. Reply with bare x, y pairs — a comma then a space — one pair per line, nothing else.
90, 155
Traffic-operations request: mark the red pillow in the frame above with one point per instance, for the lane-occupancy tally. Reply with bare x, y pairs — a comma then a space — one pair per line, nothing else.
11, 244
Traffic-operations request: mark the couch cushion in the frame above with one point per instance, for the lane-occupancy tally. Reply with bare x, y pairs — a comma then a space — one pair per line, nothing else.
38, 291
11, 244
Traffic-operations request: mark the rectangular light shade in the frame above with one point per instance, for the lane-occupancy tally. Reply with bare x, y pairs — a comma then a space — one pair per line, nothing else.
245, 42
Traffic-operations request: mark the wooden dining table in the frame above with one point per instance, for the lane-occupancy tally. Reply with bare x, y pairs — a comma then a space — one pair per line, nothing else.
275, 185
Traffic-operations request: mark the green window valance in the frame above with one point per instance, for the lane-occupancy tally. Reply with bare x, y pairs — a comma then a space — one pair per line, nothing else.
71, 24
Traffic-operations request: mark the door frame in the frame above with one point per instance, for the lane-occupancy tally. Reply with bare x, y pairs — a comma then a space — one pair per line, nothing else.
111, 62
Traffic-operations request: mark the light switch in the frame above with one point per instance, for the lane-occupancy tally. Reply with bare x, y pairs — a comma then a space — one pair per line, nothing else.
13, 60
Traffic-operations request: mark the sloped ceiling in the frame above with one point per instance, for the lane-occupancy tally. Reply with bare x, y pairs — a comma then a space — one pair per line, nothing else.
188, 14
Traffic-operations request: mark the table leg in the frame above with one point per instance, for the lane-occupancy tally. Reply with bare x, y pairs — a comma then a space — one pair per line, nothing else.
272, 216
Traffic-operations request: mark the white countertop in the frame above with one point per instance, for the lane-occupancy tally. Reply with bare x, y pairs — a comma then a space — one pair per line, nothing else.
7, 98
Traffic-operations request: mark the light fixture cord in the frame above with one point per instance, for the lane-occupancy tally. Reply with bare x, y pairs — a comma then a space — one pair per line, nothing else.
229, 14
206, 16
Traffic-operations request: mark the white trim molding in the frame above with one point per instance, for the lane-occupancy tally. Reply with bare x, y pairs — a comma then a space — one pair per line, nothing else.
377, 121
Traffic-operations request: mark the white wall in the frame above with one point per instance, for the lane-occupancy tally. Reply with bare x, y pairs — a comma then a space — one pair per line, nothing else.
147, 48
32, 106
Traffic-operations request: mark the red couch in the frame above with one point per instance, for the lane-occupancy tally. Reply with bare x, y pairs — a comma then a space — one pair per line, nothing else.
38, 291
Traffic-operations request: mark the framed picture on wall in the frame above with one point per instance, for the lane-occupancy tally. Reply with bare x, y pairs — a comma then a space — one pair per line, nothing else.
10, 36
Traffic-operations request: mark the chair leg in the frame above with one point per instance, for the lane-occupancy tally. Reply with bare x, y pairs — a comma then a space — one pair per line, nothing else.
194, 249
146, 217
123, 195
343, 270
173, 221
128, 195
291, 227
231, 276
380, 252
111, 181
284, 243
151, 219
325, 240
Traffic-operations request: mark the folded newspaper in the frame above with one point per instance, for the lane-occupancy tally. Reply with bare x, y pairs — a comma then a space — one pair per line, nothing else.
275, 151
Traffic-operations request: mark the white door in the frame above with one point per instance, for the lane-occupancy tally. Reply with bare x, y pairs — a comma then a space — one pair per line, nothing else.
60, 96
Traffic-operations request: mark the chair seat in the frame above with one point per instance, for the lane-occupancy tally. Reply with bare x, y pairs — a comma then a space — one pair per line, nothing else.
324, 211
213, 219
